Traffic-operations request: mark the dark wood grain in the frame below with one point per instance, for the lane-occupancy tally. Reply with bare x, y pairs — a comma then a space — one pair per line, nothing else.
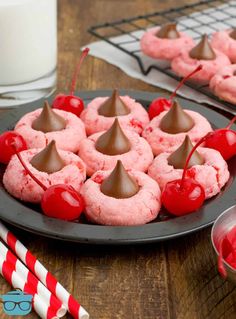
172, 280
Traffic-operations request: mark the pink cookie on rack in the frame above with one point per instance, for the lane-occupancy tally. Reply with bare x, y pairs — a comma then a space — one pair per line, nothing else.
206, 166
202, 54
168, 130
42, 126
223, 83
100, 151
165, 42
50, 166
225, 41
121, 197
101, 112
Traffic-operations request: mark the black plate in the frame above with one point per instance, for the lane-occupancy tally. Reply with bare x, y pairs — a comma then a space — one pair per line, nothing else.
26, 217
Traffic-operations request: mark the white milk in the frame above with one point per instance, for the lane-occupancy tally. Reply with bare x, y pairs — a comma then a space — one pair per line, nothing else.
28, 40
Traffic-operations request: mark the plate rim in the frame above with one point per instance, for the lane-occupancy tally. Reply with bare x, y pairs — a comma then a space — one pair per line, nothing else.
114, 235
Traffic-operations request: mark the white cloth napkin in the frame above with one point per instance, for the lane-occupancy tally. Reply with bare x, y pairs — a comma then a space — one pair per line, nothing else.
129, 65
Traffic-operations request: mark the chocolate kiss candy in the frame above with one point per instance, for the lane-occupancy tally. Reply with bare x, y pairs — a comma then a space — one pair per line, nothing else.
176, 120
119, 184
179, 157
233, 34
48, 160
114, 141
168, 31
203, 50
48, 120
113, 106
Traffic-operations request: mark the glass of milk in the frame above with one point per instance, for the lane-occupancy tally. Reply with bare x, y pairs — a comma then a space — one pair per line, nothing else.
28, 50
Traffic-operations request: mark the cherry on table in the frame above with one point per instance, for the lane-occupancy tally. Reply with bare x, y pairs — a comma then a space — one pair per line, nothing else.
223, 140
71, 103
162, 104
7, 139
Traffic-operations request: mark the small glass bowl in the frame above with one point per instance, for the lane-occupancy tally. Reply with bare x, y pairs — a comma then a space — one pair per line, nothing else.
223, 224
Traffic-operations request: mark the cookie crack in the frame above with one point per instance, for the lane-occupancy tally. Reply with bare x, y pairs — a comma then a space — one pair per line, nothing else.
46, 140
217, 176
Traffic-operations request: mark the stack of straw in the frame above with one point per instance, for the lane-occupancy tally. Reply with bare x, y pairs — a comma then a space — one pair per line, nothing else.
50, 299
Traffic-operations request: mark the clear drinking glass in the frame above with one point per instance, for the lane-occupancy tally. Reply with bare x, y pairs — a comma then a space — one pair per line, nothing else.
28, 50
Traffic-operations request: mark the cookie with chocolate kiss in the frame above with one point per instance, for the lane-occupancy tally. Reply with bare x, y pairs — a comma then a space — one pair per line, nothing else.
114, 141
48, 120
179, 157
203, 50
48, 160
168, 31
113, 106
176, 120
119, 184
232, 34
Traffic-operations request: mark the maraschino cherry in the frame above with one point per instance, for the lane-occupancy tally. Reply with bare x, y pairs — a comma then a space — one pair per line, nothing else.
227, 252
221, 266
58, 201
185, 195
63, 202
161, 104
223, 140
6, 140
71, 103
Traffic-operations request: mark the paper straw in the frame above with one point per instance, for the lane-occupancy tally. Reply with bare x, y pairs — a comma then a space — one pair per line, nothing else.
31, 280
15, 280
74, 308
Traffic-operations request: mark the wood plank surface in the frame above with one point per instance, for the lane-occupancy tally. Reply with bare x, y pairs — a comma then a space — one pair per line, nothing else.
172, 280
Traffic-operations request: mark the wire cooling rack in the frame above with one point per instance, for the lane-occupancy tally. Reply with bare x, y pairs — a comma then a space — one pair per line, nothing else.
204, 17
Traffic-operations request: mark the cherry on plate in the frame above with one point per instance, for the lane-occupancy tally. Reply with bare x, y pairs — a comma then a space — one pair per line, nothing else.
162, 104
7, 141
63, 202
70, 102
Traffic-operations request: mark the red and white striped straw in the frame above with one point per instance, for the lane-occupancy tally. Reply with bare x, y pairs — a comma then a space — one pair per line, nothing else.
30, 279
74, 308
16, 281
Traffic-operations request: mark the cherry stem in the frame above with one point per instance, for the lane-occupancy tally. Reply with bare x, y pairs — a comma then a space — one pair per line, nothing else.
76, 74
27, 169
221, 266
231, 122
203, 139
183, 80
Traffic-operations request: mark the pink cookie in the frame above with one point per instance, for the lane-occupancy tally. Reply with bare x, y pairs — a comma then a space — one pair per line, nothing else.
139, 209
22, 186
161, 141
139, 157
67, 139
135, 120
184, 64
212, 175
223, 42
223, 83
164, 48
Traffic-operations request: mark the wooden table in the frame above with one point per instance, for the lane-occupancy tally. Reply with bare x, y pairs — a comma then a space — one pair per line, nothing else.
172, 280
